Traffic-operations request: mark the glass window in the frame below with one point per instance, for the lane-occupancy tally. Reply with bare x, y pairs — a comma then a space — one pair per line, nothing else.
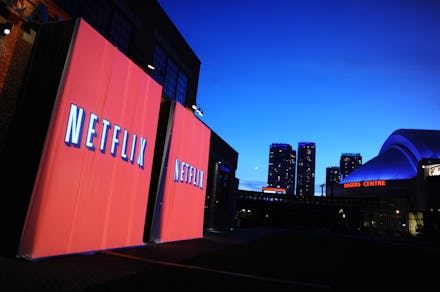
170, 82
121, 30
170, 76
98, 14
110, 23
159, 62
182, 84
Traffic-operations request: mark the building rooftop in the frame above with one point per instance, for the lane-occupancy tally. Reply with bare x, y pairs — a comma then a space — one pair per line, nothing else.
399, 156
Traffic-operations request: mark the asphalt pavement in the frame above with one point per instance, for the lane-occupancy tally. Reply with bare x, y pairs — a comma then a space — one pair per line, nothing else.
263, 258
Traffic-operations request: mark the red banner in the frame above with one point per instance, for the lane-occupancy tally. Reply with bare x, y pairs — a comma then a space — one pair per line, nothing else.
93, 180
183, 200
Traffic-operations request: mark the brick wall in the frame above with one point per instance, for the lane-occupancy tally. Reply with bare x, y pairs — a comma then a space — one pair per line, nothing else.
15, 50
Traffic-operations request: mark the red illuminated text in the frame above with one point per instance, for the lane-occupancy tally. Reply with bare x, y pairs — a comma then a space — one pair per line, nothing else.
374, 183
365, 184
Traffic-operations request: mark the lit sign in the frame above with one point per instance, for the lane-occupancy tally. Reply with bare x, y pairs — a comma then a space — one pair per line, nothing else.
74, 132
182, 201
270, 190
85, 199
365, 184
187, 173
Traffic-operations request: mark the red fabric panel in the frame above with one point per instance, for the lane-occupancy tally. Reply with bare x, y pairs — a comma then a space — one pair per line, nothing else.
85, 199
183, 201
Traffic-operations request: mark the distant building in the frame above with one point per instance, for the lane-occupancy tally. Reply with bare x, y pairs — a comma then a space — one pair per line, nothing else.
406, 175
349, 162
395, 193
282, 160
332, 178
305, 183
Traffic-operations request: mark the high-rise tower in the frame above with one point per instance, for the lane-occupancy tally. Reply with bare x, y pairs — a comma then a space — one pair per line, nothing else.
332, 178
349, 162
305, 181
282, 160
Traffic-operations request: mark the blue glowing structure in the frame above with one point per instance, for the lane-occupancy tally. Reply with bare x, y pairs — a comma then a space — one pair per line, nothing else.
399, 156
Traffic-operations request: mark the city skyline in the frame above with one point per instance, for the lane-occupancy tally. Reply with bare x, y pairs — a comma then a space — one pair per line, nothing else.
342, 74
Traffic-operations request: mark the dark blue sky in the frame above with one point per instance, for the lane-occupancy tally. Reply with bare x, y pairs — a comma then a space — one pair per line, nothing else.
342, 74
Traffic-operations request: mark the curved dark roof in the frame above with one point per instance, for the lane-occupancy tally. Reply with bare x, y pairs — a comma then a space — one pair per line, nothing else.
399, 156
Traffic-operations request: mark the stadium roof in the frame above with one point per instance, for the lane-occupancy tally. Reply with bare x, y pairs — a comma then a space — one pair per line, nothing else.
399, 156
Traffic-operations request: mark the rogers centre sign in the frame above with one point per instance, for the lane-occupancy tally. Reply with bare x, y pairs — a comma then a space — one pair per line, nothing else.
365, 184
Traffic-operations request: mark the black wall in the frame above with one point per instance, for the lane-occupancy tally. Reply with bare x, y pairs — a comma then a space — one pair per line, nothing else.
25, 140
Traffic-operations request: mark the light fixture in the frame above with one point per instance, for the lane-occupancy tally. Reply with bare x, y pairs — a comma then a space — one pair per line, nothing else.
6, 28
197, 109
151, 67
